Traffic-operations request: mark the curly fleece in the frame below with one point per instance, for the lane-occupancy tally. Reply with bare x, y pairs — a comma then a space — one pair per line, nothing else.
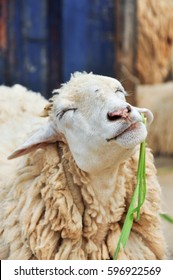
50, 211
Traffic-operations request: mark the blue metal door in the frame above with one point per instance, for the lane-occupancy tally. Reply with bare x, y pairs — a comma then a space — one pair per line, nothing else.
43, 41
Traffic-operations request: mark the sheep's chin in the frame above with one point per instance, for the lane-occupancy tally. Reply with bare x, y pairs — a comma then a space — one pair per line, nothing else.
130, 138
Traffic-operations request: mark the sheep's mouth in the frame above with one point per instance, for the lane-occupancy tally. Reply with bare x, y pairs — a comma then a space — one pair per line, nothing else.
131, 127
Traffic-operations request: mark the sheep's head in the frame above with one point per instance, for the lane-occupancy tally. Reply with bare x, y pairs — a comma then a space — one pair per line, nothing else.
91, 115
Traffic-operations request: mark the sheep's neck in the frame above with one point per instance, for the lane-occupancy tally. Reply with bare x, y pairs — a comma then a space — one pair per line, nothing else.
104, 184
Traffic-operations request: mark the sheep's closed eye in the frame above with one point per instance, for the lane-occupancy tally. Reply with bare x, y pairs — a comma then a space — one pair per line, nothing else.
119, 90
61, 113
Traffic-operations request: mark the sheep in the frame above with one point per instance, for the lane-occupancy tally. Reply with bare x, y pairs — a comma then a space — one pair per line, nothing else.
154, 41
16, 101
158, 98
67, 196
21, 102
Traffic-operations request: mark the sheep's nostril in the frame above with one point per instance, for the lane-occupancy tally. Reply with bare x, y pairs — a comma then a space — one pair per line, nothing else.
113, 116
122, 113
129, 109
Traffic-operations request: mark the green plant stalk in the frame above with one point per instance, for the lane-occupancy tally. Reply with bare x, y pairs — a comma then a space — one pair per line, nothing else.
141, 178
137, 198
167, 217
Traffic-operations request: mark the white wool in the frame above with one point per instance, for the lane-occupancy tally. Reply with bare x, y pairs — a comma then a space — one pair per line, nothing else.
68, 200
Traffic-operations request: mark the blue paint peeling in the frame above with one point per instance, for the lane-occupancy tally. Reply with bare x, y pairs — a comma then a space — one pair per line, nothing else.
47, 40
88, 36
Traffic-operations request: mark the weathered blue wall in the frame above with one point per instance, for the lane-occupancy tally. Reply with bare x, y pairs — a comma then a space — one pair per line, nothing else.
3, 40
27, 43
88, 36
47, 40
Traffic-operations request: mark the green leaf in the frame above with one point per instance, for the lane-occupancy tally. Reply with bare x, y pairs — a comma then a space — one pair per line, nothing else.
167, 218
138, 199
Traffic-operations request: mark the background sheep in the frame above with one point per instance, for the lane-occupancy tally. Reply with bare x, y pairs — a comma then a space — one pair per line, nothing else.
159, 99
19, 111
69, 200
154, 40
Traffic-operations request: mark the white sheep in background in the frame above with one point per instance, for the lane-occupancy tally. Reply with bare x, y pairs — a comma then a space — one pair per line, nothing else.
159, 99
67, 199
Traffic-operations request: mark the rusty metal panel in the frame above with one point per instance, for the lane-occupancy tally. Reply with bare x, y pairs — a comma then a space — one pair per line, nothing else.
46, 40
16, 70
3, 40
126, 44
35, 35
54, 44
27, 44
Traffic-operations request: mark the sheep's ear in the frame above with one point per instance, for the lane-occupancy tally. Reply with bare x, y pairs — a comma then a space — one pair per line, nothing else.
46, 110
46, 134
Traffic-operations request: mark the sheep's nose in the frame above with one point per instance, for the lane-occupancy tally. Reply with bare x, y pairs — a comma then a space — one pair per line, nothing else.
122, 113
